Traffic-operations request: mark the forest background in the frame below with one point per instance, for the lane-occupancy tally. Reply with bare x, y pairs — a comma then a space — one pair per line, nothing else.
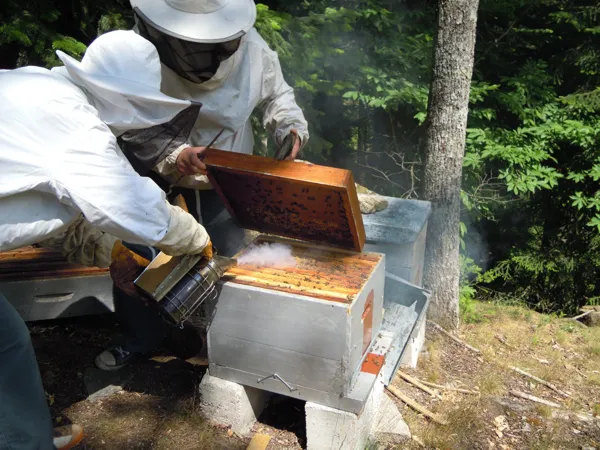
530, 219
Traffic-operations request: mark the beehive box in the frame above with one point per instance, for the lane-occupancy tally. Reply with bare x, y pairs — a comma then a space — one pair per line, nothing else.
302, 331
400, 231
42, 285
311, 325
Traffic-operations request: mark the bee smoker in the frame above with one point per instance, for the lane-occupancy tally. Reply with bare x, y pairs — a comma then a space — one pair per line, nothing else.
196, 286
190, 281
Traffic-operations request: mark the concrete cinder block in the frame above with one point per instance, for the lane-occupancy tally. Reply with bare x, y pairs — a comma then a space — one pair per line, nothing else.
226, 403
390, 427
330, 428
410, 357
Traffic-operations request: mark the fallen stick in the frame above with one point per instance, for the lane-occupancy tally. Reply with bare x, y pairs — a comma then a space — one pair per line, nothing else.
419, 384
449, 388
534, 399
454, 338
416, 406
502, 339
581, 373
582, 315
539, 380
418, 440
541, 361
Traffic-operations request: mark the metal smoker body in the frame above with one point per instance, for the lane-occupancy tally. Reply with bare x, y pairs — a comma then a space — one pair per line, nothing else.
189, 284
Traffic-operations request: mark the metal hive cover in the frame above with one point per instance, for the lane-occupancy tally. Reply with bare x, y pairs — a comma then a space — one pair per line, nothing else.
292, 199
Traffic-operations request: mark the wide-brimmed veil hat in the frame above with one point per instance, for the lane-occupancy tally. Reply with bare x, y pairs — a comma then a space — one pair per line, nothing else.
205, 21
121, 72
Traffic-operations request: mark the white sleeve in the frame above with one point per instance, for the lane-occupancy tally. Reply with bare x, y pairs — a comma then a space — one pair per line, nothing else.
281, 112
185, 236
168, 166
94, 177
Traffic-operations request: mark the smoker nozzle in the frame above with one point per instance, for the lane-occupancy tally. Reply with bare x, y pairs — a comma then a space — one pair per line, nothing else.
225, 263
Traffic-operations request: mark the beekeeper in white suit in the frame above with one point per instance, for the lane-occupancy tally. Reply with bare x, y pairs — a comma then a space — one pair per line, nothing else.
211, 53
64, 179
63, 174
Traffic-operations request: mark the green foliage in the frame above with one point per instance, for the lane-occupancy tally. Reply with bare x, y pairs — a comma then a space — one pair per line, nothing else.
346, 63
468, 291
31, 32
531, 169
113, 21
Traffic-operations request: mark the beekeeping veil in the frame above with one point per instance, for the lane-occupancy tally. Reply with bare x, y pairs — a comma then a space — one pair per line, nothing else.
121, 75
194, 37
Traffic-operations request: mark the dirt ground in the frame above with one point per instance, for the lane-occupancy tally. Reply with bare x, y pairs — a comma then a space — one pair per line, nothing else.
157, 405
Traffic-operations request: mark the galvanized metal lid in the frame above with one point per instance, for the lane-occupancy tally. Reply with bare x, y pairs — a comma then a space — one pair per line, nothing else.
292, 199
400, 223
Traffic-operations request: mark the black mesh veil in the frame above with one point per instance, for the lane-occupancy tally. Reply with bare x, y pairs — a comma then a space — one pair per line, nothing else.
194, 61
147, 147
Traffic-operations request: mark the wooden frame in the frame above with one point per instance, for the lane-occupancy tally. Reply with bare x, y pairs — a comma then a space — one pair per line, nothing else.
31, 263
292, 199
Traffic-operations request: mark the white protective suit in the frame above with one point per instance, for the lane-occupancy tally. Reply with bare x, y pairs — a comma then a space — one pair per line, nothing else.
61, 163
249, 79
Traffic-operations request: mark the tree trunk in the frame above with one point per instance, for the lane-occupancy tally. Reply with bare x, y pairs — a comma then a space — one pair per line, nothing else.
444, 149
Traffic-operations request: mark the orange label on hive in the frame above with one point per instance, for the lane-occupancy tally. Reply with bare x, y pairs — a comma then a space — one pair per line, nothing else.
373, 363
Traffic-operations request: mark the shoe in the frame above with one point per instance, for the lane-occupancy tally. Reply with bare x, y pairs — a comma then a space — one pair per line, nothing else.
114, 358
67, 436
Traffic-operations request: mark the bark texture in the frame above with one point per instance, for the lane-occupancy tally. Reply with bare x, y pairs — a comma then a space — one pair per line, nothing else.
444, 148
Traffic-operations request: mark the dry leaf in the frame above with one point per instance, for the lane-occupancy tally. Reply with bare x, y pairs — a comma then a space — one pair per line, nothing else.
49, 398
230, 432
501, 424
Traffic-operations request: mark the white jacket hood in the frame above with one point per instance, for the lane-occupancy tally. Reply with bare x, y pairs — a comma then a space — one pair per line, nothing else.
121, 75
59, 160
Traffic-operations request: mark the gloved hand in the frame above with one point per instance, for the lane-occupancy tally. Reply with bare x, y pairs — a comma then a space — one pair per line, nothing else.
83, 244
285, 152
208, 251
125, 267
369, 201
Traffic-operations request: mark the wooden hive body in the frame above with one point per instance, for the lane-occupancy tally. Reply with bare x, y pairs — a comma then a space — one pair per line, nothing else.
42, 285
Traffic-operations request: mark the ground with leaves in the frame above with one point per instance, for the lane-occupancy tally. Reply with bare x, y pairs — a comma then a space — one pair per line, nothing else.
559, 351
157, 407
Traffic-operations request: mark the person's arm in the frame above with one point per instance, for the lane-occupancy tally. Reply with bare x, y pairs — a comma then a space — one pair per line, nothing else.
282, 115
97, 179
156, 148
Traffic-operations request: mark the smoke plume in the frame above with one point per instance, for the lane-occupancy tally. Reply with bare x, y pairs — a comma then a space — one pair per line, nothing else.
269, 255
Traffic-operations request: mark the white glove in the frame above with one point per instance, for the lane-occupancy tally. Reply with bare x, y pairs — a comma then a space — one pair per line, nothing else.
83, 244
369, 201
185, 235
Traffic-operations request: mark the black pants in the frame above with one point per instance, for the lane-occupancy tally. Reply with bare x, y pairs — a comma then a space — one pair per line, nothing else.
144, 328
